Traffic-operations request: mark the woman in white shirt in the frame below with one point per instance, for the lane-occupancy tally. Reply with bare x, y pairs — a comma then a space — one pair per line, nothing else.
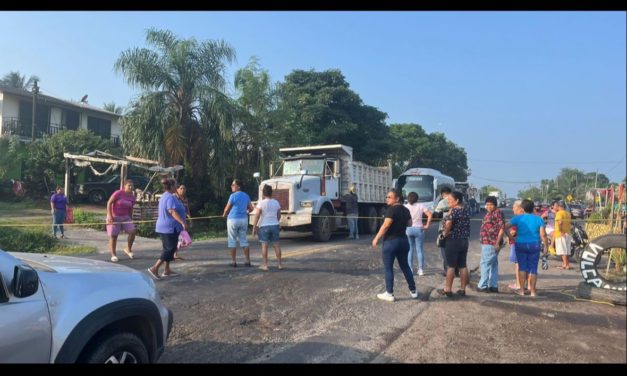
415, 233
266, 224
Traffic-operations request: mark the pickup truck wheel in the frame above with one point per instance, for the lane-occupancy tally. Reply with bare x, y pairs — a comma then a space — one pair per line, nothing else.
118, 348
97, 197
321, 225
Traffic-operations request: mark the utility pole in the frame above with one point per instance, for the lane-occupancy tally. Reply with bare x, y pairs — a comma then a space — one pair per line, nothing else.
595, 179
35, 92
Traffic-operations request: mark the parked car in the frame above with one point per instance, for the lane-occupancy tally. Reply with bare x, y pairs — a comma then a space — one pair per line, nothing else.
59, 309
577, 211
98, 192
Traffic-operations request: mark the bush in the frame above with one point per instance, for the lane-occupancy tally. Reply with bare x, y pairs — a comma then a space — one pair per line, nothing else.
146, 230
91, 220
18, 239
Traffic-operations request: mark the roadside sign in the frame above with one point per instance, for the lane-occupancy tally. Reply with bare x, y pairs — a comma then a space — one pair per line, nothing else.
569, 198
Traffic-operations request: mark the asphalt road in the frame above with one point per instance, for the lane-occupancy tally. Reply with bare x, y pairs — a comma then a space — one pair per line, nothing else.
322, 308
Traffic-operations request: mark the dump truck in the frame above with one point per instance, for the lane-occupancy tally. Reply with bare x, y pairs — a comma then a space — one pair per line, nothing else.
309, 183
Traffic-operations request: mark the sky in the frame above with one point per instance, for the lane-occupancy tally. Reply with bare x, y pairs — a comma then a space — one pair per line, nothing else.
524, 93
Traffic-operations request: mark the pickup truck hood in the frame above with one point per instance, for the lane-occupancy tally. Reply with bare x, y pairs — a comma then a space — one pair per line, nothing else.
69, 265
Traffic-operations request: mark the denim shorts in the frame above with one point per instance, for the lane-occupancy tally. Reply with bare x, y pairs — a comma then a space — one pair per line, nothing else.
236, 229
269, 234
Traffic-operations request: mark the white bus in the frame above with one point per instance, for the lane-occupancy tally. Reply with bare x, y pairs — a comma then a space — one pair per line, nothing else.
426, 182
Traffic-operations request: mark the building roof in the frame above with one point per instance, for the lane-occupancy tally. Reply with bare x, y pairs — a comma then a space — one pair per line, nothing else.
42, 98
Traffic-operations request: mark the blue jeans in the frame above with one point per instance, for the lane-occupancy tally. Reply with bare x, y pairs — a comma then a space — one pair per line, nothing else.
416, 238
489, 267
396, 248
352, 226
58, 218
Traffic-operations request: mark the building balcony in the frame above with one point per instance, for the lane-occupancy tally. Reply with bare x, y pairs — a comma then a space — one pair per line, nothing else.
14, 126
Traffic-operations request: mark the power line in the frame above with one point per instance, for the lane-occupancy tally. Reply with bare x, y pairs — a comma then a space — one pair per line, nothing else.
540, 162
507, 181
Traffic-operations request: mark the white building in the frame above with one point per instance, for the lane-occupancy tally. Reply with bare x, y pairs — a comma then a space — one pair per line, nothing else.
52, 115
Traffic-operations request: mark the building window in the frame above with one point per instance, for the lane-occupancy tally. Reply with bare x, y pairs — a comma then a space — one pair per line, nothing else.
101, 127
70, 119
42, 120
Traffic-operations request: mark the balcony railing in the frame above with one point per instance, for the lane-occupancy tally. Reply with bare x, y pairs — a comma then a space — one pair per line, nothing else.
13, 126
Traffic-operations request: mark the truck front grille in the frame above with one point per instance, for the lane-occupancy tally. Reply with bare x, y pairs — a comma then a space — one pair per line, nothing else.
283, 197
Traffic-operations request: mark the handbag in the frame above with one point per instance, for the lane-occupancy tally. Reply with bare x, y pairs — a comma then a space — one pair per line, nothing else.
440, 241
69, 216
184, 239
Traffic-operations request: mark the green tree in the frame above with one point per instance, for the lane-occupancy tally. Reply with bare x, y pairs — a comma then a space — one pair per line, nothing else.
112, 107
45, 164
16, 80
12, 154
183, 115
320, 108
256, 131
569, 181
416, 148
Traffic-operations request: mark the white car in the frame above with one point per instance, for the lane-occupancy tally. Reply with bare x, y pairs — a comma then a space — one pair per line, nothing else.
59, 309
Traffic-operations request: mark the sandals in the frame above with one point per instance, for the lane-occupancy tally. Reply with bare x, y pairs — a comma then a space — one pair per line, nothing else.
114, 259
171, 274
264, 267
448, 294
128, 253
152, 274
233, 264
461, 292
248, 263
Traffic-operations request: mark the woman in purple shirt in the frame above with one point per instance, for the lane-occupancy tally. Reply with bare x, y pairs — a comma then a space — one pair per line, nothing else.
58, 209
170, 223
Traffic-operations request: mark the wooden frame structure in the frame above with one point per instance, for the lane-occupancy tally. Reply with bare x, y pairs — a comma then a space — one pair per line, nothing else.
102, 157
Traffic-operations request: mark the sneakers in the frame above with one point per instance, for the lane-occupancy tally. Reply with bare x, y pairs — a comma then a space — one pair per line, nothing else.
414, 294
386, 296
482, 289
420, 272
493, 289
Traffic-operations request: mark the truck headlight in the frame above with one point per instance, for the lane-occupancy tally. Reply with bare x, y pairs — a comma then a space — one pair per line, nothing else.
306, 204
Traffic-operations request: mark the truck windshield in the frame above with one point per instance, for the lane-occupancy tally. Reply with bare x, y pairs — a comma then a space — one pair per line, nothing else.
313, 166
421, 184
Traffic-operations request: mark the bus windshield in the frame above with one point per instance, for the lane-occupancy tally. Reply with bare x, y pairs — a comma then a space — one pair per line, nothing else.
313, 166
421, 184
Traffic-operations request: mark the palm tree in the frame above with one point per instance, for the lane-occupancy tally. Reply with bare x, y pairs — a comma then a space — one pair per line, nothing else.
15, 80
111, 107
183, 114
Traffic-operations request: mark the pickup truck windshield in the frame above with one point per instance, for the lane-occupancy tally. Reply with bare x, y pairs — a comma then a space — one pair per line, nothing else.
313, 166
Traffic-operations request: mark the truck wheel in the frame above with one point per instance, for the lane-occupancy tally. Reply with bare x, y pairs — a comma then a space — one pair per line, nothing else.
321, 225
97, 197
118, 348
373, 220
